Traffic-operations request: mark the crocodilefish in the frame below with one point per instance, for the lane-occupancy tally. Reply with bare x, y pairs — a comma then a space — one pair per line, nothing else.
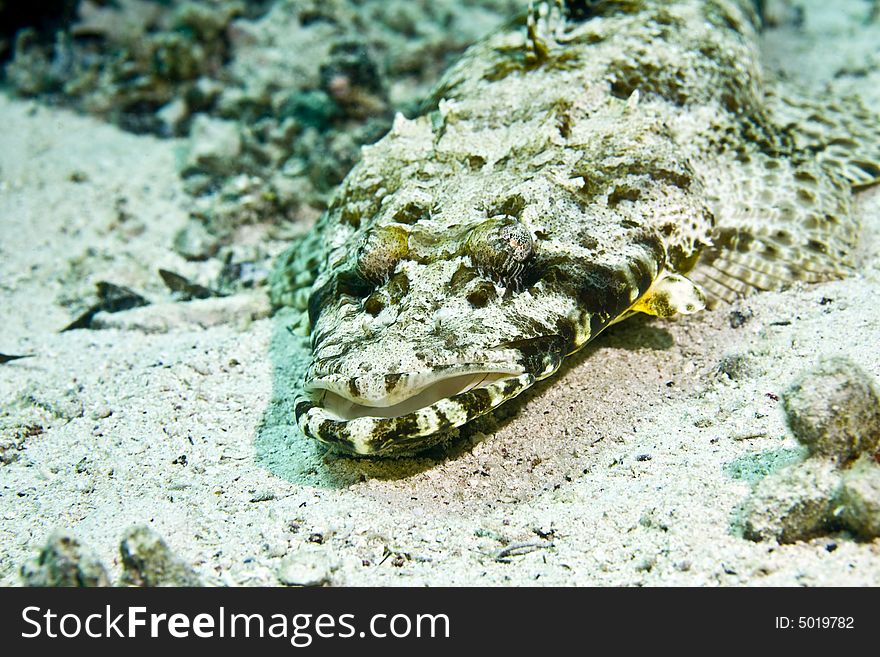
587, 162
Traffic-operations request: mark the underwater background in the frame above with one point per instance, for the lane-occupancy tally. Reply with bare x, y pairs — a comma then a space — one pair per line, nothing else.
157, 155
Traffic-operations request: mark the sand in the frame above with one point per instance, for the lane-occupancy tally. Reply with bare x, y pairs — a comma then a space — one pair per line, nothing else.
629, 467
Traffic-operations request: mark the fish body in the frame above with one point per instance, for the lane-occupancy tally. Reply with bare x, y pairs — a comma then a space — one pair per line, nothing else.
595, 160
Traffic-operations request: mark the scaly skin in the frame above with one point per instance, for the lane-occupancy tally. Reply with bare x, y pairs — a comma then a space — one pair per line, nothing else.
569, 165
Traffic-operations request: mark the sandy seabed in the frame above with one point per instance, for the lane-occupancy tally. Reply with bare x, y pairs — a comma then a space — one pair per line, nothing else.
629, 467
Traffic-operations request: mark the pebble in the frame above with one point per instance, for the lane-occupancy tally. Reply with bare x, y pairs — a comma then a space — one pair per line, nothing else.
64, 561
860, 499
214, 146
148, 561
194, 242
793, 504
172, 117
308, 565
101, 413
834, 411
736, 366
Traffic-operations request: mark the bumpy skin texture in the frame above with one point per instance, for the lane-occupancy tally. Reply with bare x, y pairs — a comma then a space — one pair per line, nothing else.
566, 165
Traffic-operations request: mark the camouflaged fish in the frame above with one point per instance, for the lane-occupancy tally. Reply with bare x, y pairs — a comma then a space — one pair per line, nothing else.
592, 161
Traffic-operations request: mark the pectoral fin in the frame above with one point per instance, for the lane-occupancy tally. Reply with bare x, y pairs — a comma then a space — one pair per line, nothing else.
671, 294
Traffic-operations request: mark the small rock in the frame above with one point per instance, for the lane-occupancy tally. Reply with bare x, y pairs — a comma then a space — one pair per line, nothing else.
194, 242
214, 146
204, 93
646, 565
13, 440
172, 116
860, 498
834, 411
101, 413
64, 561
147, 561
311, 108
309, 565
793, 504
735, 366
262, 496
737, 318
276, 549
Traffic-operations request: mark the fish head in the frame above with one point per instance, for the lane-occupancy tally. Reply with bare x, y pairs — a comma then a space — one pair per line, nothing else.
421, 327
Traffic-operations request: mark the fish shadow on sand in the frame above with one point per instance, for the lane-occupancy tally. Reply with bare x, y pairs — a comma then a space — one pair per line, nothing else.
282, 450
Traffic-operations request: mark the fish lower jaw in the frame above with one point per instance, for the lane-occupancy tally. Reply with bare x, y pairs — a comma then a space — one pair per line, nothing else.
406, 428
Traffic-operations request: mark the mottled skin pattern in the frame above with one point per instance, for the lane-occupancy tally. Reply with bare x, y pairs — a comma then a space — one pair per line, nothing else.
567, 166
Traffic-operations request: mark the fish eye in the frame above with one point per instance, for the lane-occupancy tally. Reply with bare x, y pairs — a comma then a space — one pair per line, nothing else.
380, 251
501, 248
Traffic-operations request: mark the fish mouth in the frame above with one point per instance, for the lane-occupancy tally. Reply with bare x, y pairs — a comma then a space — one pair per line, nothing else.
416, 423
396, 395
402, 414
